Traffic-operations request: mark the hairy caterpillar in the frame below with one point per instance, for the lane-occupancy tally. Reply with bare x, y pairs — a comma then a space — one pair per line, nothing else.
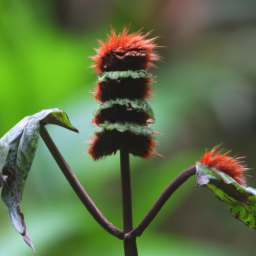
232, 166
123, 115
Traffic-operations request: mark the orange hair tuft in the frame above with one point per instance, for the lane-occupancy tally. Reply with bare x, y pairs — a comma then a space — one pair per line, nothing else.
122, 46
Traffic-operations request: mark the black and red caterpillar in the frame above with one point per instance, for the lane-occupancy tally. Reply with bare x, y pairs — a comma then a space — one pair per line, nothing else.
123, 115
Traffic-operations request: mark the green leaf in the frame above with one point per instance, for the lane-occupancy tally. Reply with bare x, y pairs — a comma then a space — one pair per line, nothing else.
240, 200
17, 151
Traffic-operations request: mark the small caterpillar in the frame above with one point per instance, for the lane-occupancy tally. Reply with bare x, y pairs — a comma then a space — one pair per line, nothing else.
232, 166
123, 115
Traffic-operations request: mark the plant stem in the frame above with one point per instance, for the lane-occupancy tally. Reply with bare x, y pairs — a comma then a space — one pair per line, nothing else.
169, 190
130, 247
77, 187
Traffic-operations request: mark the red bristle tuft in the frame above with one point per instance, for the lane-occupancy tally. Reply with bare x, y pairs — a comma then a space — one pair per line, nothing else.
123, 46
150, 149
95, 121
98, 93
231, 166
91, 149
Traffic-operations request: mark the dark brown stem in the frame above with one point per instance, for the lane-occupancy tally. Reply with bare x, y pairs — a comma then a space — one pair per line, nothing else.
130, 247
77, 187
170, 189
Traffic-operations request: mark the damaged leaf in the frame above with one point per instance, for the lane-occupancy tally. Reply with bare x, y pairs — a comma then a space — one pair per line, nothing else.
17, 151
240, 200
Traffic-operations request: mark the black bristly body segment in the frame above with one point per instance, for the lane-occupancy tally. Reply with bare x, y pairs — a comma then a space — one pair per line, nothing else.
107, 143
125, 88
119, 113
121, 60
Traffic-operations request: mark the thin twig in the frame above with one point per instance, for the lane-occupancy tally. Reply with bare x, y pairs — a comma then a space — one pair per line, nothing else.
130, 247
169, 190
78, 188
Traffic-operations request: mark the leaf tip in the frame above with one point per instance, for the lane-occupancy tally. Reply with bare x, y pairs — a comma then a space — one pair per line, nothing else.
27, 240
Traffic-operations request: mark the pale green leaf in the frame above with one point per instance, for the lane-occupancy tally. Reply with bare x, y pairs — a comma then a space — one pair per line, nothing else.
240, 200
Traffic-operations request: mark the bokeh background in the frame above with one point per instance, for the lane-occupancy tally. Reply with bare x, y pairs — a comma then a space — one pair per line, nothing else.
205, 95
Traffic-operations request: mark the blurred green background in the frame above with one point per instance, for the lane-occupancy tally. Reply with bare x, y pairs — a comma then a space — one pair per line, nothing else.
205, 95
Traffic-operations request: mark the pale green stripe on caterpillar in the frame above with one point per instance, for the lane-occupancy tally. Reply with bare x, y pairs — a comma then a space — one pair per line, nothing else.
140, 105
115, 75
123, 127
